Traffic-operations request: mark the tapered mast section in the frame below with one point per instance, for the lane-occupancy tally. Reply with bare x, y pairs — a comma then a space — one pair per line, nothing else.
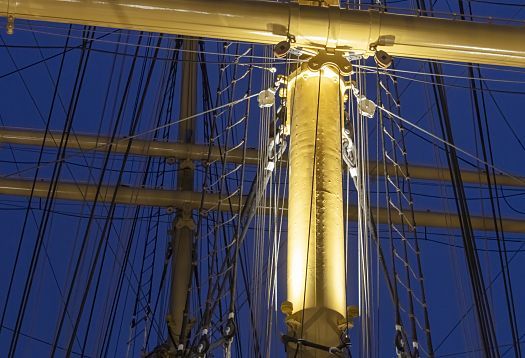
316, 259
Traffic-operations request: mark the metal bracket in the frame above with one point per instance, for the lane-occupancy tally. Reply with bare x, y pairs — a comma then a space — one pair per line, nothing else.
10, 26
365, 107
384, 40
336, 351
287, 310
185, 219
325, 58
349, 155
187, 164
348, 321
182, 222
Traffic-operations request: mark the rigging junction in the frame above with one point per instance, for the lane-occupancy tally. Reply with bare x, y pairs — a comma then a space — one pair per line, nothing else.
326, 36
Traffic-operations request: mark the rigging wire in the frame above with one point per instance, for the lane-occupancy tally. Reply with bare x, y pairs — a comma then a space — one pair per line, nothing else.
449, 85
140, 134
442, 75
450, 145
483, 309
157, 47
495, 206
81, 70
103, 237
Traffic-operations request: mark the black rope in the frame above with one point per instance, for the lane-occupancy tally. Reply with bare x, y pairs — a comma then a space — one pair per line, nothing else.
81, 69
28, 208
494, 204
88, 226
139, 106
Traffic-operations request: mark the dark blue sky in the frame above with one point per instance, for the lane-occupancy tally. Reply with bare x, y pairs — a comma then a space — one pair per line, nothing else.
99, 100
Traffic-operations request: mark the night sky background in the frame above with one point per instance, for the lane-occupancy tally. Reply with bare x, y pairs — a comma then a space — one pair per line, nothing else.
107, 79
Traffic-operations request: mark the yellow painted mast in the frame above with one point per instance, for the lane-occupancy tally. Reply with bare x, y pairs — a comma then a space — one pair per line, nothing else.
316, 306
316, 287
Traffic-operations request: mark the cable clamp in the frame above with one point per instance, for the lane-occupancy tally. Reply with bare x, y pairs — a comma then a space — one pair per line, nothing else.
276, 147
365, 107
303, 342
349, 155
285, 47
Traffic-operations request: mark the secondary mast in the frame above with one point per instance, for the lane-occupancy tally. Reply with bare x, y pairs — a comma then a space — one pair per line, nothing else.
183, 229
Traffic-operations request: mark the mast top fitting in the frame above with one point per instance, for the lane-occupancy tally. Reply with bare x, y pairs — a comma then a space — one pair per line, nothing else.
326, 58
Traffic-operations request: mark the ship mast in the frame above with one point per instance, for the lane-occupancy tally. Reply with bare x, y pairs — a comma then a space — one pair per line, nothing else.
316, 290
183, 229
316, 307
